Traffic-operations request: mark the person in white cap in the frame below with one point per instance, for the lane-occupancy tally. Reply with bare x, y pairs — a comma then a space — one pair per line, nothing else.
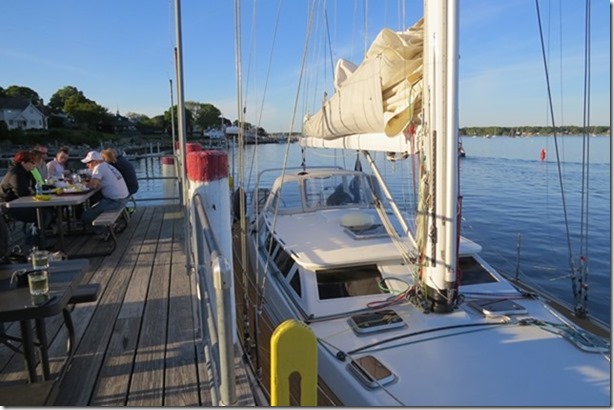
113, 189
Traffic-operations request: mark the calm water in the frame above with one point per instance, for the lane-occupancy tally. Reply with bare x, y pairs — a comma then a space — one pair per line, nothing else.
508, 193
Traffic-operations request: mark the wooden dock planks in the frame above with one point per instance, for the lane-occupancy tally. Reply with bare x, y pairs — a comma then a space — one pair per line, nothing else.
140, 343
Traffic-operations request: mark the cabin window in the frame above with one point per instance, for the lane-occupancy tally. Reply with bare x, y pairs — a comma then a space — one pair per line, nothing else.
284, 262
289, 198
295, 283
265, 239
472, 272
328, 191
269, 243
349, 281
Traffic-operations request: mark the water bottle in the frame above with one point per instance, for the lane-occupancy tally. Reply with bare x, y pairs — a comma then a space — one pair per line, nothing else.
38, 188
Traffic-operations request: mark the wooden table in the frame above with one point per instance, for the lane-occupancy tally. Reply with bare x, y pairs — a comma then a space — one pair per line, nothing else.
56, 201
16, 305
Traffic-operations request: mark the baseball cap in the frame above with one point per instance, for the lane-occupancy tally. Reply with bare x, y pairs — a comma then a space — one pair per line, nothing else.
92, 156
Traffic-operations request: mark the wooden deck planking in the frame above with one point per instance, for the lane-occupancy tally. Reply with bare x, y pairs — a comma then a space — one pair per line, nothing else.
147, 384
140, 343
79, 383
181, 355
116, 371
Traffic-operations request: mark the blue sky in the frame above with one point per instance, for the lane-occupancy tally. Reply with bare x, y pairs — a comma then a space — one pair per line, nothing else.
119, 53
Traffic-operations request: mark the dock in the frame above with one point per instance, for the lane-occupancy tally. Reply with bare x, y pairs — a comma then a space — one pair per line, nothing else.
140, 343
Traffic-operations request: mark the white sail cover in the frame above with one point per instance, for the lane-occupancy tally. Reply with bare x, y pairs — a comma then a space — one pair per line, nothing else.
382, 95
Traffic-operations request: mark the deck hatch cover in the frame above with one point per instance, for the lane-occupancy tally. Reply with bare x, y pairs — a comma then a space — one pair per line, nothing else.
371, 372
370, 322
496, 307
370, 232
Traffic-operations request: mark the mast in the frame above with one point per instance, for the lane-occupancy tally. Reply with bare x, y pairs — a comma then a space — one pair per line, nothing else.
181, 122
441, 153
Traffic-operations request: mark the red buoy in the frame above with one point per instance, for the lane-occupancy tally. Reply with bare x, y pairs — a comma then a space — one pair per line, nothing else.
542, 154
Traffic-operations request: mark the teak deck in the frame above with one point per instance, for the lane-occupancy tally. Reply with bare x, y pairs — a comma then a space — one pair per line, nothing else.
140, 343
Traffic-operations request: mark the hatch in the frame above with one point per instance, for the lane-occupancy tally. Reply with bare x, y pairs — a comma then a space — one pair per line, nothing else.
496, 307
371, 372
370, 322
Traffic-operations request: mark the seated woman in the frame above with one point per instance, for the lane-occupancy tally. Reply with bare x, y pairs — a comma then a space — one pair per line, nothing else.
19, 182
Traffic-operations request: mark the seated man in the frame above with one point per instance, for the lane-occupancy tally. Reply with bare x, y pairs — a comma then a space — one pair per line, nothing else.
113, 188
124, 167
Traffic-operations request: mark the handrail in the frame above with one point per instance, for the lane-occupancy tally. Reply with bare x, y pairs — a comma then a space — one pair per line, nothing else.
211, 263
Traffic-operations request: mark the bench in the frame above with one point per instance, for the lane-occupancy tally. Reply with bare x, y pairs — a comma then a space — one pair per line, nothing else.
108, 219
85, 293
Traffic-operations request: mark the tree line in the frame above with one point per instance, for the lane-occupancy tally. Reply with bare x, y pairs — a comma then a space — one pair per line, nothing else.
529, 131
70, 108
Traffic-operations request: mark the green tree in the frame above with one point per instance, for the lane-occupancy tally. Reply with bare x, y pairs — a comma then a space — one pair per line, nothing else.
205, 116
26, 92
58, 99
246, 125
188, 119
137, 118
86, 113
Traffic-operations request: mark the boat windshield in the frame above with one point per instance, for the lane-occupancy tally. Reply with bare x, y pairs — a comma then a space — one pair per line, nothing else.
326, 191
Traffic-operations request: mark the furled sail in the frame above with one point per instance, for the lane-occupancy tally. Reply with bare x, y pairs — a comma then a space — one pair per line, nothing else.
380, 96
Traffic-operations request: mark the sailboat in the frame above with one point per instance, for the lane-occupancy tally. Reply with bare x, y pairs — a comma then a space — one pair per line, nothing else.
402, 315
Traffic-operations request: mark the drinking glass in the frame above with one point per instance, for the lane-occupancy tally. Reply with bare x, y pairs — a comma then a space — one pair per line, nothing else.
40, 259
38, 282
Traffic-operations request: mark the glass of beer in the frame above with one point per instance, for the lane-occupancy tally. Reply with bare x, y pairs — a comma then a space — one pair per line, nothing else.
38, 282
40, 259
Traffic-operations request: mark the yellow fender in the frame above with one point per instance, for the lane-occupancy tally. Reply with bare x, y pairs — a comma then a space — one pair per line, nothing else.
293, 350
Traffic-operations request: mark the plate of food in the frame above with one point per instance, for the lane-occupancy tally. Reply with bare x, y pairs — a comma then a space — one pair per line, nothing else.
42, 197
74, 190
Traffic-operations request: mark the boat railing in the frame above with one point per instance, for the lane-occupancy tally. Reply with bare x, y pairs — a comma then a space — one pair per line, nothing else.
214, 276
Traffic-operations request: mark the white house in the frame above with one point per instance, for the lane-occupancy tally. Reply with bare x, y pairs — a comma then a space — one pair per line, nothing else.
19, 112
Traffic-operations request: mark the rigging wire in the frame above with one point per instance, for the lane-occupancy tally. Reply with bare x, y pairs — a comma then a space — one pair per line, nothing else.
578, 276
556, 146
582, 297
287, 151
254, 161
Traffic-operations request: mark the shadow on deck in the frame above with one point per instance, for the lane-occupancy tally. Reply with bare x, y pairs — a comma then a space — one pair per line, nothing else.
140, 343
